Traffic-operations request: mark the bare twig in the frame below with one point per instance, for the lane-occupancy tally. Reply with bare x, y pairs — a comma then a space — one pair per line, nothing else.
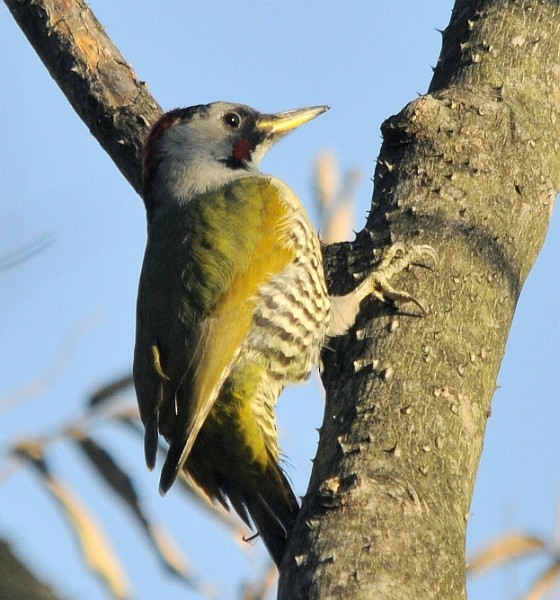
15, 258
335, 201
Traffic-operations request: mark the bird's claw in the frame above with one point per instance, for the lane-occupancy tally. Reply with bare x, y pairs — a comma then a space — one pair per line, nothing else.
396, 259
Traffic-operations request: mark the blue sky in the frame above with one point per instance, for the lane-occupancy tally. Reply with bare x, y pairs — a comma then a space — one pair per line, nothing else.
366, 61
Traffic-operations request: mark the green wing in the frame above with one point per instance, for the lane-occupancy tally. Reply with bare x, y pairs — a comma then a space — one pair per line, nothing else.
231, 242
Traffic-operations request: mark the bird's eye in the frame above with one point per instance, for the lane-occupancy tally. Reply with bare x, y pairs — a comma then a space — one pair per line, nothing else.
232, 120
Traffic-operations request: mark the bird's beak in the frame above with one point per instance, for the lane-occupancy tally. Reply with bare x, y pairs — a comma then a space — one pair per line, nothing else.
281, 123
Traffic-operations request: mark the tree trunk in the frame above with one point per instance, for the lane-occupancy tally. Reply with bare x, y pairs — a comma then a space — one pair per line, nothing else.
472, 169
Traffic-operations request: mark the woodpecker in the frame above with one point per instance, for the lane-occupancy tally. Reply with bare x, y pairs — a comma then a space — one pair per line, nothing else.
232, 307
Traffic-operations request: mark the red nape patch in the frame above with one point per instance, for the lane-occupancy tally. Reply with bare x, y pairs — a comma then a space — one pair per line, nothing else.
164, 122
242, 150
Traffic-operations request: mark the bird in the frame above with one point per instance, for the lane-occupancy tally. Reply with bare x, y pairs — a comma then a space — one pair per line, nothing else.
232, 306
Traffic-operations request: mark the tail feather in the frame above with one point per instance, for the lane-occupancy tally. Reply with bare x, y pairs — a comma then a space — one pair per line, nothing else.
258, 491
274, 509
272, 532
240, 507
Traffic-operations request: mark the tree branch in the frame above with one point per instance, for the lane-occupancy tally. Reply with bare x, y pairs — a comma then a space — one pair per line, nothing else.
99, 84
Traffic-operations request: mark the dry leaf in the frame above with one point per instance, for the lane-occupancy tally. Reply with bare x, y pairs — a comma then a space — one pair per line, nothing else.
95, 546
503, 550
544, 583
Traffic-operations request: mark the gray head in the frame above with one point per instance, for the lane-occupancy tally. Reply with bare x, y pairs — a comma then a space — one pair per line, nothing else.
197, 149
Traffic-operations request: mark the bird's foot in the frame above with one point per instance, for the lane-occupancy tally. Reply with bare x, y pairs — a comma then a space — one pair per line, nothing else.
396, 259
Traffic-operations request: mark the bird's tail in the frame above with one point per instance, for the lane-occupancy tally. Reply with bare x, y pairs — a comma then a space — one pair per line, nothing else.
273, 509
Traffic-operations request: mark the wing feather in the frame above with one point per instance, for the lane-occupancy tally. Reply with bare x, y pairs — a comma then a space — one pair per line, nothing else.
219, 335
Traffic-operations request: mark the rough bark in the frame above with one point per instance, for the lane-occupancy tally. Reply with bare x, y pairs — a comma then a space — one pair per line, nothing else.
472, 168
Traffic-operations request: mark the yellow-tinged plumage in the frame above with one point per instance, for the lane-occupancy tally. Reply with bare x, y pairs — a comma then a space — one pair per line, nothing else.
232, 307
220, 336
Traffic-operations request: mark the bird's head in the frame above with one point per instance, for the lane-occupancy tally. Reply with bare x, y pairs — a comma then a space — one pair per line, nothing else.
194, 150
